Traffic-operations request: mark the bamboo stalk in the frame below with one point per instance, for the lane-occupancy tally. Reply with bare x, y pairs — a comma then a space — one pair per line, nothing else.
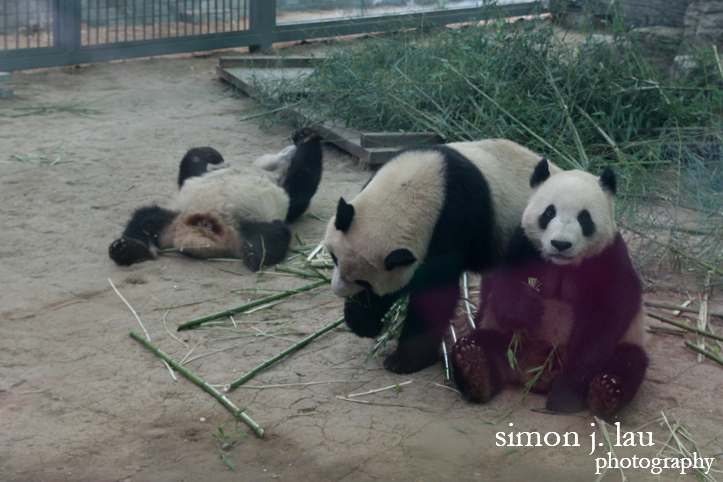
568, 117
704, 352
509, 114
138, 318
685, 327
300, 272
718, 61
703, 315
467, 307
238, 309
237, 412
666, 306
248, 376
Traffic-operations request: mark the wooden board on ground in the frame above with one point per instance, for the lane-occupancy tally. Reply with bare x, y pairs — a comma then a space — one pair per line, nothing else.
372, 148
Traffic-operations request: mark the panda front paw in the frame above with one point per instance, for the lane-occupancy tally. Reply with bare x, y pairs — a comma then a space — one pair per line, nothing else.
401, 362
414, 353
126, 251
362, 317
518, 310
564, 398
605, 395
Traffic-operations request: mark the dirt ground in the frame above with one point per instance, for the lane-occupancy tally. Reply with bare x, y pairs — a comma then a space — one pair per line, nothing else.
82, 401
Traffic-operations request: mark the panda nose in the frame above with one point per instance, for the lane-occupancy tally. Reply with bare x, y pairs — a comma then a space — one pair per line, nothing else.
561, 245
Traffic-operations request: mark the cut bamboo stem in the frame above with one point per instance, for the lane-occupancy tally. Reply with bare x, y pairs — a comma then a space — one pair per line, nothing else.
685, 327
685, 309
237, 412
248, 376
703, 315
467, 306
238, 309
704, 352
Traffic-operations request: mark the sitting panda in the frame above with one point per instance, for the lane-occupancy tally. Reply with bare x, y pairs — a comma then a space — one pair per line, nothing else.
425, 217
567, 281
229, 212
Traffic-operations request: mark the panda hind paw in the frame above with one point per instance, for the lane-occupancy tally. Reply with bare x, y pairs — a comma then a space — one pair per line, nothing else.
303, 135
471, 371
126, 251
605, 395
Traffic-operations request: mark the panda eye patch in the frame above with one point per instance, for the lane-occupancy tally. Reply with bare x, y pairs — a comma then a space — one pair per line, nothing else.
586, 223
363, 284
547, 216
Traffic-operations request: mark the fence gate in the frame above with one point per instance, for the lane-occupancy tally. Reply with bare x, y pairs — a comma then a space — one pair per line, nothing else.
44, 33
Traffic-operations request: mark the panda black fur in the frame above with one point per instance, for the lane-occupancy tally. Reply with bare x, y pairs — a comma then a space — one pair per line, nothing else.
567, 280
228, 212
425, 217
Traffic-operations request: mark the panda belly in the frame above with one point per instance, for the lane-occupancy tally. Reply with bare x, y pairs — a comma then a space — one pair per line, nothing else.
240, 194
214, 207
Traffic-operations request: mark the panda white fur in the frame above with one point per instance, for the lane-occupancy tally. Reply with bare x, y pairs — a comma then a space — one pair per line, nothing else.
239, 212
425, 217
567, 281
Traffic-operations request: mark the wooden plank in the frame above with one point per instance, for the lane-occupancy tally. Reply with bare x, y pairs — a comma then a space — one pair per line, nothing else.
379, 155
266, 62
372, 148
399, 139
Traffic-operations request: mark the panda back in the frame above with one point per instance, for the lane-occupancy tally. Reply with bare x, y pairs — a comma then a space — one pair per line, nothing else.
507, 167
236, 193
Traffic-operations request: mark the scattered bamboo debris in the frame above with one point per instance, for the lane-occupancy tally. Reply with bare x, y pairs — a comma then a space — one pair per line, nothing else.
684, 326
237, 412
396, 386
248, 376
148, 337
252, 304
685, 309
602, 426
685, 446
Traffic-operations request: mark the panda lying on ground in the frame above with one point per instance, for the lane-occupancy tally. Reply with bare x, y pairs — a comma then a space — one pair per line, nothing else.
231, 212
567, 280
425, 217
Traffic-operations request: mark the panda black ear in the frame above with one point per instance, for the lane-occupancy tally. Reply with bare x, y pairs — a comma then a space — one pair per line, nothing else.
399, 257
541, 173
344, 215
608, 180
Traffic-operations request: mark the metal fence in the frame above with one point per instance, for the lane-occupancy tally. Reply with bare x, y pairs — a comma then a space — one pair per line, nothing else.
44, 33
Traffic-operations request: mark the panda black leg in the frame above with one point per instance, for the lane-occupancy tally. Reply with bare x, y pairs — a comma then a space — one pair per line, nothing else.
609, 392
264, 244
364, 311
304, 174
195, 162
140, 237
480, 366
428, 317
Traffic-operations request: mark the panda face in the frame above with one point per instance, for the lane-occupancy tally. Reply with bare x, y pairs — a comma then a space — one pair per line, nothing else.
358, 266
571, 216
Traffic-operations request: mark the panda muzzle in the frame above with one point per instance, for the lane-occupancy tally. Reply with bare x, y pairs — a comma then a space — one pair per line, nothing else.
341, 287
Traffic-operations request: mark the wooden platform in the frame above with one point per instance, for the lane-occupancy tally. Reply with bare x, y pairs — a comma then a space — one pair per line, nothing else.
372, 148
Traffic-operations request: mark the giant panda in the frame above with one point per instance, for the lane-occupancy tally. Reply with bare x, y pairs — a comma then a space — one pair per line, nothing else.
240, 212
567, 281
429, 214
